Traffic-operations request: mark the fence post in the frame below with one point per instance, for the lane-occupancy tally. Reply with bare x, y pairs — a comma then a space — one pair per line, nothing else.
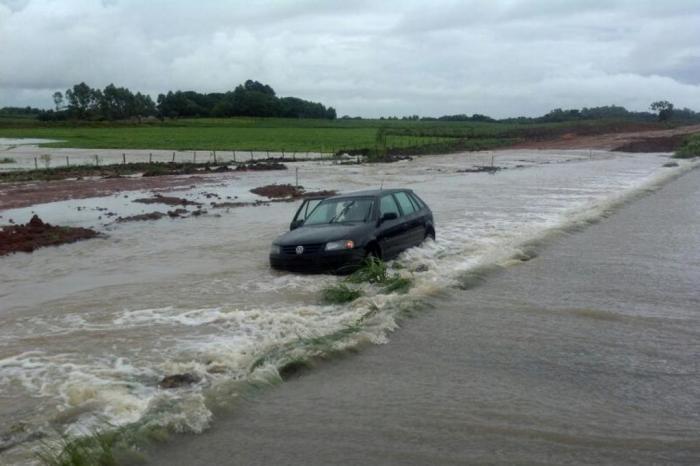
234, 156
150, 157
173, 156
123, 158
194, 156
296, 175
36, 165
251, 156
97, 160
214, 152
67, 162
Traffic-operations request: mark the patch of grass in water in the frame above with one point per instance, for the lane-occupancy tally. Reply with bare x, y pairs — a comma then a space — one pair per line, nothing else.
373, 270
398, 284
339, 294
7, 160
107, 447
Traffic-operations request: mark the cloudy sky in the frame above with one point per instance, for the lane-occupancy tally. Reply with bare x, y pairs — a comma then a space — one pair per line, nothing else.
369, 58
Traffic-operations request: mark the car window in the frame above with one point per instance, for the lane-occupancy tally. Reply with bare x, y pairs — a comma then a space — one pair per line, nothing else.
418, 201
388, 205
310, 206
341, 210
405, 203
414, 201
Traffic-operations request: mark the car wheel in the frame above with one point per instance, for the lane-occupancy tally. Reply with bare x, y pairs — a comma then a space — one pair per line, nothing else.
372, 252
429, 233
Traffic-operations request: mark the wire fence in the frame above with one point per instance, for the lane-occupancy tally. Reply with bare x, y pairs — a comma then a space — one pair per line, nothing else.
28, 161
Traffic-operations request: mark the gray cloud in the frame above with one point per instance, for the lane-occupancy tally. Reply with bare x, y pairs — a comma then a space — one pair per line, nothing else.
501, 58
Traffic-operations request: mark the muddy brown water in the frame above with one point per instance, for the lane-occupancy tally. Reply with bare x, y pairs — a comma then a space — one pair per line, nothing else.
88, 330
587, 354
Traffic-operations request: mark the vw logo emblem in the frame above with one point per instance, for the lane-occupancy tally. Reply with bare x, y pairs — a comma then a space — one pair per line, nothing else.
300, 250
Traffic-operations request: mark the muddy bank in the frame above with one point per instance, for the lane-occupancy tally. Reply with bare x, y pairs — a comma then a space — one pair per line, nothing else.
611, 140
37, 234
129, 169
661, 144
288, 191
167, 200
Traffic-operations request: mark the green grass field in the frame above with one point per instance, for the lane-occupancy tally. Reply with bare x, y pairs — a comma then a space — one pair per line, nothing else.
290, 135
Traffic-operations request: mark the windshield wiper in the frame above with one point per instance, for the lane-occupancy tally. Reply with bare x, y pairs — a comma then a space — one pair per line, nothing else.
342, 212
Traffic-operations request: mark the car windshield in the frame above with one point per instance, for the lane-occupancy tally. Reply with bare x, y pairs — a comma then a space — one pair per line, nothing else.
354, 210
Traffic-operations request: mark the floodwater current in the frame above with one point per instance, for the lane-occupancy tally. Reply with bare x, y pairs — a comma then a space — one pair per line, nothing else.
88, 330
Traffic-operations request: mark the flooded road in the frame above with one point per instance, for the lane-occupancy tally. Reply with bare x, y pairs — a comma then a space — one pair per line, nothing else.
587, 354
88, 330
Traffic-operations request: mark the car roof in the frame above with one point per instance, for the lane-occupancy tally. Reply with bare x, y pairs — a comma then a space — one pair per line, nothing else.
369, 193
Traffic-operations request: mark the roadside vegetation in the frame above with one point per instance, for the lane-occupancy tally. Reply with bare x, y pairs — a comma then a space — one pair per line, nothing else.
689, 149
7, 160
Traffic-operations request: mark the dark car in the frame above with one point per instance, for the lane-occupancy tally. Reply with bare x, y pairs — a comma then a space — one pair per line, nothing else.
337, 233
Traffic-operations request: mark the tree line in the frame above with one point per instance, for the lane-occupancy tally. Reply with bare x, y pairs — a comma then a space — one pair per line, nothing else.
255, 99
251, 98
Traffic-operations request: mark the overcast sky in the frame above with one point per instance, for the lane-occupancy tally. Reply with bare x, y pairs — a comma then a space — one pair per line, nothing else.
368, 58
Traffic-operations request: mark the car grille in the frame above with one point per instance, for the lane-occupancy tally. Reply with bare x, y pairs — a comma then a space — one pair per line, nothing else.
308, 249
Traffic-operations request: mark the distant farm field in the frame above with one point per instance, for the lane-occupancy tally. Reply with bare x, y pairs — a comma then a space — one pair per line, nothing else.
292, 135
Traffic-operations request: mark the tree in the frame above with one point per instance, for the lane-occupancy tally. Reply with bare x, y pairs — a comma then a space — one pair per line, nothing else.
58, 100
665, 109
82, 100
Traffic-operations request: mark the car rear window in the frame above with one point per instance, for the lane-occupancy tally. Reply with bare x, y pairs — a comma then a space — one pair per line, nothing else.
417, 201
405, 203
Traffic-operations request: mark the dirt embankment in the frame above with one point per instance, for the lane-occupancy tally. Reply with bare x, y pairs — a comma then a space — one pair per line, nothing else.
641, 140
288, 191
37, 234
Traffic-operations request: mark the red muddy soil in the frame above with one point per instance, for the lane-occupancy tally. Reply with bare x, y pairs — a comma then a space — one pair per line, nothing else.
37, 234
276, 191
288, 191
26, 193
167, 200
666, 140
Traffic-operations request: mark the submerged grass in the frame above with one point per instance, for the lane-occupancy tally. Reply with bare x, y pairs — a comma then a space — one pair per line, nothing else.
340, 294
7, 160
109, 446
373, 270
398, 284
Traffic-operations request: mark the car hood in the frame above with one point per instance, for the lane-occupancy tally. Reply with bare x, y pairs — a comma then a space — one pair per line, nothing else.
322, 234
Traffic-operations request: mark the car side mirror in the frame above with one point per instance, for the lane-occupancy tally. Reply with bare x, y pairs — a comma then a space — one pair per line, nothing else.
295, 224
388, 216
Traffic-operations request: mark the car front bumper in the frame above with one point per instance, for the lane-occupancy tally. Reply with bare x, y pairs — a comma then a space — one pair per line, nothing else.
345, 261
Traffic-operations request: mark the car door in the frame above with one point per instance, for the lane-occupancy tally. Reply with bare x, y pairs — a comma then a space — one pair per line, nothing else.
390, 233
414, 229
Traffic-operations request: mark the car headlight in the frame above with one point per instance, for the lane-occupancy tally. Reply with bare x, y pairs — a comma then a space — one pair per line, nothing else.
338, 245
275, 249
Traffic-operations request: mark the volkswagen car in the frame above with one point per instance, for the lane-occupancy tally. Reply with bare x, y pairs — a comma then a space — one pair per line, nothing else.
337, 233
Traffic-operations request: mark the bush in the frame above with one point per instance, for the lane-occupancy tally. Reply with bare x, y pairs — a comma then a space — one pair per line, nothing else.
7, 160
689, 149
